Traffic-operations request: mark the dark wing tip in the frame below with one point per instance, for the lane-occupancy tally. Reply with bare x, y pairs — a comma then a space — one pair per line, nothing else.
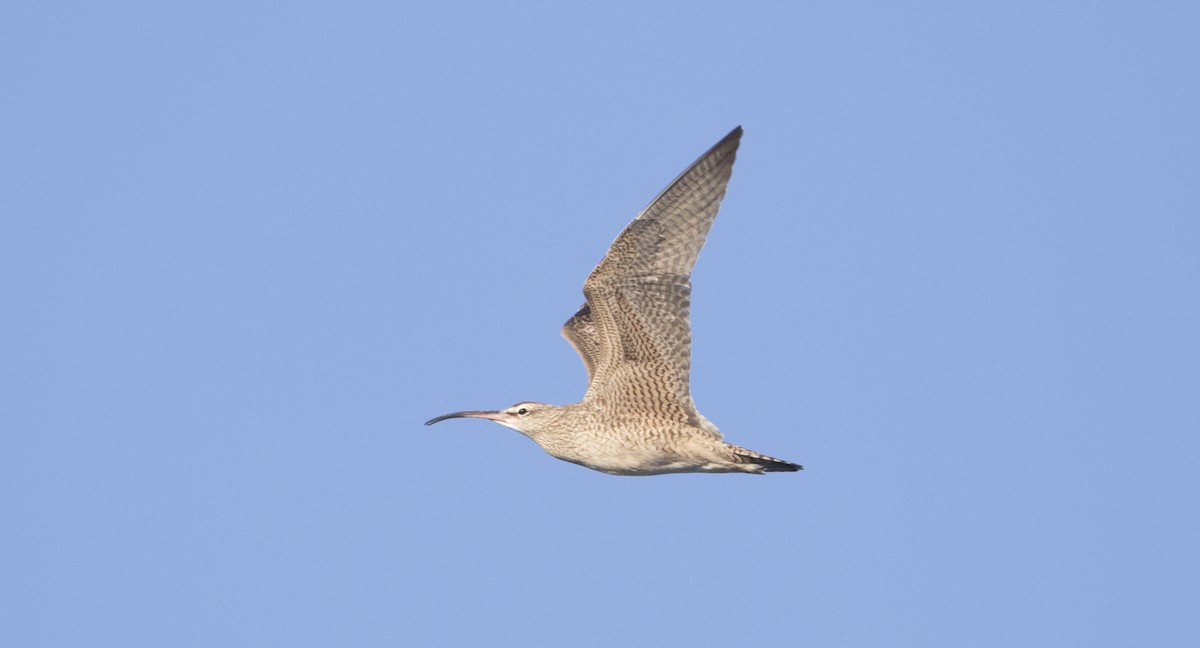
768, 464
734, 135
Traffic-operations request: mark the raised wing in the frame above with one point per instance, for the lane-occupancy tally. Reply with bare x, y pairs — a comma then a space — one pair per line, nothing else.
634, 332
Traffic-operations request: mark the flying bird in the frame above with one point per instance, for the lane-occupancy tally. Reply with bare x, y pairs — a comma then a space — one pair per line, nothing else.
634, 335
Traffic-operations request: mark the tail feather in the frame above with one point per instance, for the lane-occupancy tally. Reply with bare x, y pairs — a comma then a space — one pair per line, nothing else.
767, 464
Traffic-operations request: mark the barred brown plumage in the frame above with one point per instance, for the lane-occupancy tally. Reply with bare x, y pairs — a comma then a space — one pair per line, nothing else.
633, 334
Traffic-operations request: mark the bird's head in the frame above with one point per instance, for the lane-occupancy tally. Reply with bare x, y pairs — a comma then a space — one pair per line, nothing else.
527, 418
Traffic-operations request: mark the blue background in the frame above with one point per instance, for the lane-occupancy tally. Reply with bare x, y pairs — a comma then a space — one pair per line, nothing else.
247, 248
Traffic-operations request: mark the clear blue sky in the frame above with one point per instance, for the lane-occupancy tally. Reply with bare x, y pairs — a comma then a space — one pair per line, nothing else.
247, 248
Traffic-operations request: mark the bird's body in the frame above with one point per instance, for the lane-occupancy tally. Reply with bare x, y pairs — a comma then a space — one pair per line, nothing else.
634, 336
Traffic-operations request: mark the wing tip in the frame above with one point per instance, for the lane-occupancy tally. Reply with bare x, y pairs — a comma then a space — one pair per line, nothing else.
733, 137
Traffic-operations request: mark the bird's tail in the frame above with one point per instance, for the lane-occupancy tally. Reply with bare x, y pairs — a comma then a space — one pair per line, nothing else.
762, 462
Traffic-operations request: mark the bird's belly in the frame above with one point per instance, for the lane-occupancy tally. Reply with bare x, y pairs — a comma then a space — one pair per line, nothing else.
625, 460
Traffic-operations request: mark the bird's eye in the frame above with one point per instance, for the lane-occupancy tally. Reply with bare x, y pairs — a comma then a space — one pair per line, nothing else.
523, 411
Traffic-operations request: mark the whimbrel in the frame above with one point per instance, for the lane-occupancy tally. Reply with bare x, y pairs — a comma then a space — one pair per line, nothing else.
634, 336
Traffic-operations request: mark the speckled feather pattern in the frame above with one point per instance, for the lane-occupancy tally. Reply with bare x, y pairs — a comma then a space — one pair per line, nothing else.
633, 334
634, 331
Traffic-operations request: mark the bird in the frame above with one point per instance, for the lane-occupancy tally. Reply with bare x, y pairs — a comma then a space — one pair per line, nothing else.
633, 333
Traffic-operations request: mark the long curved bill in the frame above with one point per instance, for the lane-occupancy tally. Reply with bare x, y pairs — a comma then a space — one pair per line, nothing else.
483, 414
